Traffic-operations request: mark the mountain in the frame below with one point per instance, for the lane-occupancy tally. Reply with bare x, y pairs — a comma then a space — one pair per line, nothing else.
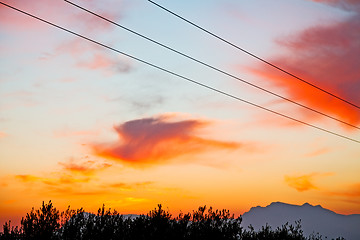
314, 219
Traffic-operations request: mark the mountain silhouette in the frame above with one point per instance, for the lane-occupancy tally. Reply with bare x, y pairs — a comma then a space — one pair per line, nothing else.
314, 219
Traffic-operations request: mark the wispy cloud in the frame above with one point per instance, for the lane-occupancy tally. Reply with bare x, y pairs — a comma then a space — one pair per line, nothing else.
72, 172
139, 106
68, 16
88, 167
27, 178
346, 192
91, 57
349, 5
76, 180
158, 140
52, 181
318, 152
301, 183
110, 64
304, 182
15, 21
3, 134
129, 186
349, 191
59, 12
326, 55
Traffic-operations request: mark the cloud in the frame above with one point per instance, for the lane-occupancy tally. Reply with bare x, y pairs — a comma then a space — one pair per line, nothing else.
349, 5
318, 152
158, 140
61, 13
109, 64
64, 184
139, 106
15, 21
3, 134
304, 182
129, 186
93, 57
53, 181
27, 178
68, 16
82, 170
301, 183
327, 56
74, 47
85, 168
350, 191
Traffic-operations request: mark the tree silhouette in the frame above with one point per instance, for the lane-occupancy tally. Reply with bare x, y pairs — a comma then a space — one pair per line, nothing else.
42, 223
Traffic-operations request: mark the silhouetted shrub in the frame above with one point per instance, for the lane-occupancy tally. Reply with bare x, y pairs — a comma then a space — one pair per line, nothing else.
10, 232
205, 223
42, 223
285, 232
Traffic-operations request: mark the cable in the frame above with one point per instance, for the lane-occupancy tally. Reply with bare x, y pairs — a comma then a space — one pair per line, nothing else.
211, 67
255, 56
178, 75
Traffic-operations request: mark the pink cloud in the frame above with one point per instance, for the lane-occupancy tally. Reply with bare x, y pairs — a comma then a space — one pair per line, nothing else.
158, 140
3, 134
75, 47
13, 20
58, 12
105, 62
68, 16
92, 57
90, 23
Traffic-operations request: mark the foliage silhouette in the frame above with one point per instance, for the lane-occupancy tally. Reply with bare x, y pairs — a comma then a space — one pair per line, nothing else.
204, 223
42, 223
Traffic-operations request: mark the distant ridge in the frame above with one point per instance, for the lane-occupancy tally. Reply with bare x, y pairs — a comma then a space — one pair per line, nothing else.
314, 219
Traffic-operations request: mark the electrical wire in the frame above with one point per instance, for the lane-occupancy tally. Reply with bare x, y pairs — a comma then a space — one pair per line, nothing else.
255, 56
210, 66
178, 75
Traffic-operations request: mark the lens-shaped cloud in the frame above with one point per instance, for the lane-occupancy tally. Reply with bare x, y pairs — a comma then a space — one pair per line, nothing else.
157, 140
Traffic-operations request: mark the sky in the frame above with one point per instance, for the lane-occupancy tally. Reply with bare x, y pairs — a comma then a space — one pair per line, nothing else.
82, 125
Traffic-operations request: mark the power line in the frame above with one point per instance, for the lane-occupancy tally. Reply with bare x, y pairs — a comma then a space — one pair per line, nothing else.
255, 56
178, 75
210, 66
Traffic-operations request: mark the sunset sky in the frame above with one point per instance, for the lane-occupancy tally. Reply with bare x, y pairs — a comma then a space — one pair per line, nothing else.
82, 125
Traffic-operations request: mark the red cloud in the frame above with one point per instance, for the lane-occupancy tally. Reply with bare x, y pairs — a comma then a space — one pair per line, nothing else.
327, 56
156, 140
